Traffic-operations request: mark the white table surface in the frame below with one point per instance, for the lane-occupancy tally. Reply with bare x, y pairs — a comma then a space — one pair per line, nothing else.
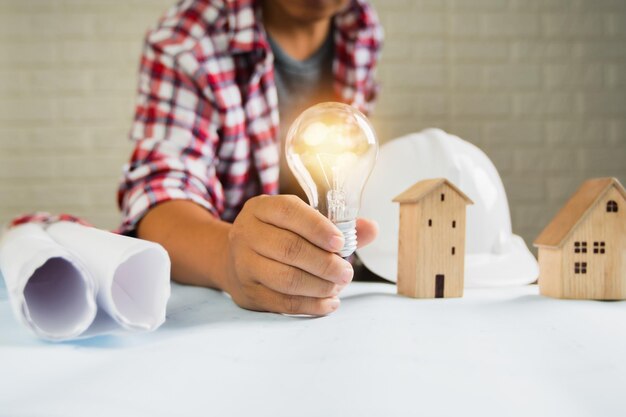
495, 352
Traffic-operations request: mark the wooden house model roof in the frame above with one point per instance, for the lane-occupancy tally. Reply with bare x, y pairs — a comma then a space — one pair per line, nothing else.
575, 210
417, 191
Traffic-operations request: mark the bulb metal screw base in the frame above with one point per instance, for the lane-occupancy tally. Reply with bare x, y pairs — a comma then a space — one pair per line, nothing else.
348, 229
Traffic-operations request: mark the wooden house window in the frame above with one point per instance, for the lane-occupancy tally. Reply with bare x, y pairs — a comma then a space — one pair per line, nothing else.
430, 222
611, 206
599, 247
443, 196
453, 224
580, 267
453, 250
580, 247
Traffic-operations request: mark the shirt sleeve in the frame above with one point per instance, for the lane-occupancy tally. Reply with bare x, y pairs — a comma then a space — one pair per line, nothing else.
175, 134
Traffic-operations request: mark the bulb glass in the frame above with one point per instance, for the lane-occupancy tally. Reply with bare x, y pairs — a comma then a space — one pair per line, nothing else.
331, 149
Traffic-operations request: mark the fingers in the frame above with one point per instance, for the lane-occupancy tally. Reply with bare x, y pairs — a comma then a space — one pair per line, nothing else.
291, 213
289, 280
366, 231
266, 299
283, 289
282, 258
292, 250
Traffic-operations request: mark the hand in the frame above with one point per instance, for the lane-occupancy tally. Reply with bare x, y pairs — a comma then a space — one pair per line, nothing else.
281, 257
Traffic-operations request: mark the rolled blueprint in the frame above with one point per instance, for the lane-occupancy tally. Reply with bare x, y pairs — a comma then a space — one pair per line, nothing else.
50, 290
132, 275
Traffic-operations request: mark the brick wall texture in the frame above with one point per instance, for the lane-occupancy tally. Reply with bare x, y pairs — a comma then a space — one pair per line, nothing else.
539, 85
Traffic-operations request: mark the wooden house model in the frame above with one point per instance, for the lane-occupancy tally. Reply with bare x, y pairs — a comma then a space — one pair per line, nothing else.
431, 239
582, 252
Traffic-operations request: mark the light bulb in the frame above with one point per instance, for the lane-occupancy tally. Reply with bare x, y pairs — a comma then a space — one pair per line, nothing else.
331, 149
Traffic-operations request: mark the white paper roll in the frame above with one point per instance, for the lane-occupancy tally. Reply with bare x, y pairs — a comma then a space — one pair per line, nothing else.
132, 275
50, 290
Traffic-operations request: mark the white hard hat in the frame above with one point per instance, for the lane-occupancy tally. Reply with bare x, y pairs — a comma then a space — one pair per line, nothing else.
494, 255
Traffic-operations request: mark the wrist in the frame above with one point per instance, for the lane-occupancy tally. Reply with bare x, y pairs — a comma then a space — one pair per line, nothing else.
216, 254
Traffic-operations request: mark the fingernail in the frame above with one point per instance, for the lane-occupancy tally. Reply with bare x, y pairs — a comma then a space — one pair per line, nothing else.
334, 303
336, 243
346, 275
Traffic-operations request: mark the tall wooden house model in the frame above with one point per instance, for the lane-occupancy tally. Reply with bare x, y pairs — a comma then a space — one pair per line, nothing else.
431, 242
582, 252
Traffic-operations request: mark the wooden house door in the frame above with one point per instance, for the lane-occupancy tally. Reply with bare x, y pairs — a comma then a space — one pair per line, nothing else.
439, 285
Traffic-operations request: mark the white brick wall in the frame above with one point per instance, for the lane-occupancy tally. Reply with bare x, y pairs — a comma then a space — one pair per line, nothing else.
540, 85
68, 73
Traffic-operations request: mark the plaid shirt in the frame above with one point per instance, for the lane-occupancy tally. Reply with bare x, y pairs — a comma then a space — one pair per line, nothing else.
206, 121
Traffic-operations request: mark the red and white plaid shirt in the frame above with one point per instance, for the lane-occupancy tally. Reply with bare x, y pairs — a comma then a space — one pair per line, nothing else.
206, 121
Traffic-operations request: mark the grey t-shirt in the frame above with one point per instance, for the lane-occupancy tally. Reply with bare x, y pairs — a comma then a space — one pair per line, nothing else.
300, 84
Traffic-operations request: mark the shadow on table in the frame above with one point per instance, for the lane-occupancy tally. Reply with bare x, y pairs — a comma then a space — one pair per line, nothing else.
196, 309
191, 307
367, 296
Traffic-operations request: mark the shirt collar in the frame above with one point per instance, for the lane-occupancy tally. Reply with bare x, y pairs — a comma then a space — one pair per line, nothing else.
244, 19
248, 34
352, 21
